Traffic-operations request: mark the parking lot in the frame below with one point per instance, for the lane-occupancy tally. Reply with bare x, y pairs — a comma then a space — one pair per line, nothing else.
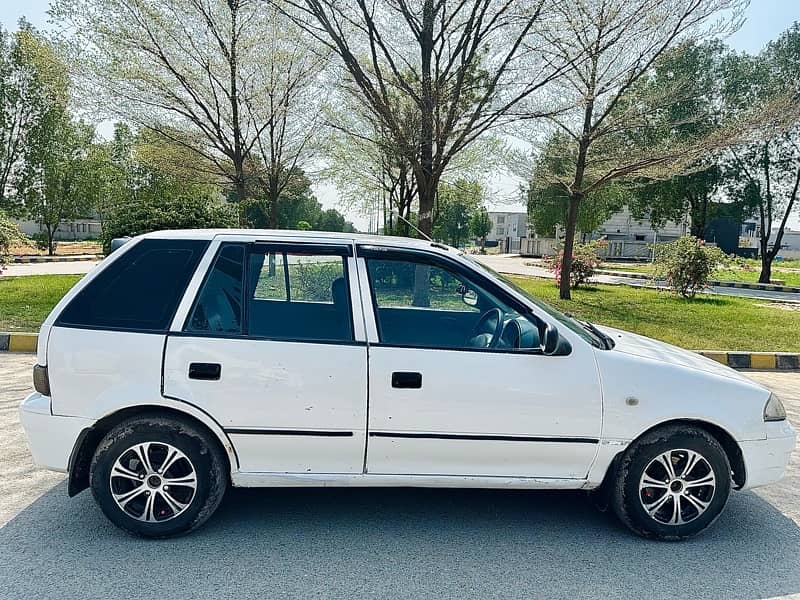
404, 543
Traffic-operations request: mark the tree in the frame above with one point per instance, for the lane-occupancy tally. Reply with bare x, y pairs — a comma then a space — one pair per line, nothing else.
458, 64
613, 132
480, 225
232, 81
766, 174
10, 235
456, 204
33, 82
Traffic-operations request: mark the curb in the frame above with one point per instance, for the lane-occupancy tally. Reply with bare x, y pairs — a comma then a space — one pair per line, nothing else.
778, 361
764, 287
54, 259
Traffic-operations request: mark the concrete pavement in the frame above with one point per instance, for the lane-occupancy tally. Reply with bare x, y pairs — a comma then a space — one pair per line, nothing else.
384, 543
74, 267
516, 265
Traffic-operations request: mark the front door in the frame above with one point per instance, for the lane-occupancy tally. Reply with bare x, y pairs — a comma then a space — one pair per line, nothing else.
458, 385
268, 350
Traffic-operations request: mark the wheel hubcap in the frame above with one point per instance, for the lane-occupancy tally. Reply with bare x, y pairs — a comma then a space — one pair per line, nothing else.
677, 487
153, 482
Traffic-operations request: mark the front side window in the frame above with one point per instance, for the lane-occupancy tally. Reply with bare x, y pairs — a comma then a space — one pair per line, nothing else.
139, 291
269, 293
423, 304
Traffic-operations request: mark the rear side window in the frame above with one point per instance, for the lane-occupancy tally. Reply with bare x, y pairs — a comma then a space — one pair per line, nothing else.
219, 307
140, 291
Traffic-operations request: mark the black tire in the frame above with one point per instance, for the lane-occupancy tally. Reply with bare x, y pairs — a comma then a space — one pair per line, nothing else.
204, 458
628, 500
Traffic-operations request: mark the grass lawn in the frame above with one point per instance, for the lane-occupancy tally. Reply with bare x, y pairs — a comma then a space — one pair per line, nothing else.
750, 275
705, 323
26, 301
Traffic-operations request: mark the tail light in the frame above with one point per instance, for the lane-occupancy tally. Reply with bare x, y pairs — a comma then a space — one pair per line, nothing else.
41, 381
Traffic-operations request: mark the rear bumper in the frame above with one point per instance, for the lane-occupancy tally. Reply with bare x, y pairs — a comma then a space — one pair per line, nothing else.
51, 438
765, 460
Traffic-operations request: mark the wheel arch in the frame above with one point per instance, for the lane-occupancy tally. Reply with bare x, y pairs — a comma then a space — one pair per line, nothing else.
81, 457
719, 433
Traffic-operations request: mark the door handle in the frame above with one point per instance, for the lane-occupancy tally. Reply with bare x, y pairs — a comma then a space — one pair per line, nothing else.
205, 371
401, 379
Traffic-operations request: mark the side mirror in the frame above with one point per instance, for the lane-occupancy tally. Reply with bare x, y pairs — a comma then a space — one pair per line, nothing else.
469, 297
549, 341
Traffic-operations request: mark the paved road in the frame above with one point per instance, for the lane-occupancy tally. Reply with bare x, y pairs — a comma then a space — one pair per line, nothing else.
516, 265
75, 267
381, 543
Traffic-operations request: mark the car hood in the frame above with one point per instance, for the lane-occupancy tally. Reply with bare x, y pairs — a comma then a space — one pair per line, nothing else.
638, 345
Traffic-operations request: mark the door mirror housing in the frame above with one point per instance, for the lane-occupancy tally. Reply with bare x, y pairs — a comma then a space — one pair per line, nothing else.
469, 297
550, 340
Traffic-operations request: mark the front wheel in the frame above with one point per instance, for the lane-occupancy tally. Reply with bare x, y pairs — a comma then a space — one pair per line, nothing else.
672, 483
158, 477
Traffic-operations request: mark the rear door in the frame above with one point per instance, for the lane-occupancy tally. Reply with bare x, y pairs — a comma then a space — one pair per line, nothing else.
271, 348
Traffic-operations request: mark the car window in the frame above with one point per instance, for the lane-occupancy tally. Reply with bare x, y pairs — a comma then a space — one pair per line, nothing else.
427, 305
299, 296
218, 308
140, 290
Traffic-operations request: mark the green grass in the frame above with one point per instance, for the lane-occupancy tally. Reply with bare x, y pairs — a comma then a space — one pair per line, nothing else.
749, 275
26, 301
705, 323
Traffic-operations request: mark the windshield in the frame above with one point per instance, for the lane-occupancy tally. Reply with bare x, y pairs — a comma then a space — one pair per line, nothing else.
569, 322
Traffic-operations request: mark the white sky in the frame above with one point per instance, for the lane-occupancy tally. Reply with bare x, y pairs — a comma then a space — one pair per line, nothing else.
766, 19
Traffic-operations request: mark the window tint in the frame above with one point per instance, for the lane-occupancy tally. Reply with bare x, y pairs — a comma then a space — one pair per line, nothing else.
299, 296
219, 305
430, 306
140, 291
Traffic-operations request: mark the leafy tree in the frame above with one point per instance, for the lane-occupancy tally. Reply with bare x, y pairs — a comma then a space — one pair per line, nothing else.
765, 174
615, 120
33, 83
480, 225
456, 204
10, 235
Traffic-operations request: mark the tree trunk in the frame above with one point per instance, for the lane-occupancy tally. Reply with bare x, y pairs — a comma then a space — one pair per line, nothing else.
426, 181
569, 244
273, 203
766, 268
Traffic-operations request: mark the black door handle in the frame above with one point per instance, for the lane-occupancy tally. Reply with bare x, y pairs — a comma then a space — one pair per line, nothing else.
401, 379
205, 371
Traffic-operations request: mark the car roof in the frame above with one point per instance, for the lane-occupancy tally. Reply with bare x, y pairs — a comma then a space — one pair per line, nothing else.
295, 235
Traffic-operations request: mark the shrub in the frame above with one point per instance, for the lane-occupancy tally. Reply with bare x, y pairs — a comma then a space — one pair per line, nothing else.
10, 235
585, 262
687, 264
135, 217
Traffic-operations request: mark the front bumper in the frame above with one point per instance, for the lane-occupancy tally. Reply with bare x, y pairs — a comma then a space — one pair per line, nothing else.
765, 460
51, 438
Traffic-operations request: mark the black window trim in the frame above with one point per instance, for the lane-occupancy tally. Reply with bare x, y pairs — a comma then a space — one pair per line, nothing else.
370, 251
279, 247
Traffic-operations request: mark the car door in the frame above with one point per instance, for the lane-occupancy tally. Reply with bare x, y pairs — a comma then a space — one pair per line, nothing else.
442, 403
271, 349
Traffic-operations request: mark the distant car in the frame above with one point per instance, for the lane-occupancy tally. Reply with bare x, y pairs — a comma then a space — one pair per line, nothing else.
188, 361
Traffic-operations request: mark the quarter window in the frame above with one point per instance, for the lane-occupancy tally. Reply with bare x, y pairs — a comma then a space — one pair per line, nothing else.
219, 307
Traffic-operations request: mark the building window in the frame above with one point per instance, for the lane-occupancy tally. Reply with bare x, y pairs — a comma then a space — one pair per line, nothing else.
501, 219
501, 231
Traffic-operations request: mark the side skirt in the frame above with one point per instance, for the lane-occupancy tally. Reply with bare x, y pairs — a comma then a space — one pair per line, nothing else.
375, 480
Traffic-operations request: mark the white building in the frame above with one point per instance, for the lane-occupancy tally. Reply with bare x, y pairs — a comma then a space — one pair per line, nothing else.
624, 226
80, 229
508, 225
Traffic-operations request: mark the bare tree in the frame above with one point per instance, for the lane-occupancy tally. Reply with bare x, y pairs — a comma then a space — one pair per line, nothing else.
467, 66
609, 134
227, 79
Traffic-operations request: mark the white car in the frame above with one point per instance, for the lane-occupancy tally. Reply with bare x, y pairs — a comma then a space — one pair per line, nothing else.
188, 361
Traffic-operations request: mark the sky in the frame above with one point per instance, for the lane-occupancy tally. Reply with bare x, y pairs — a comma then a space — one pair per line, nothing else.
765, 20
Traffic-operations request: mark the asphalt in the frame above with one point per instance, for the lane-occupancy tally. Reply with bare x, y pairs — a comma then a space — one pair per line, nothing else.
383, 543
513, 264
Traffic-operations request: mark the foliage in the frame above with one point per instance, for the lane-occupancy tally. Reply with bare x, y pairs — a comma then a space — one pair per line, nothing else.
585, 261
687, 264
189, 210
480, 225
10, 235
455, 205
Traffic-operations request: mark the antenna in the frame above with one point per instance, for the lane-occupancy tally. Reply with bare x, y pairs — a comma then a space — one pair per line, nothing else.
410, 224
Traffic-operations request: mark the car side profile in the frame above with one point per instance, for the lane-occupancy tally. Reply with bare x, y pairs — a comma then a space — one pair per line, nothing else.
189, 361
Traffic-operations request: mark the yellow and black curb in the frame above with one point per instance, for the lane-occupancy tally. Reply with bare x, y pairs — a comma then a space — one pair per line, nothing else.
54, 259
782, 361
764, 287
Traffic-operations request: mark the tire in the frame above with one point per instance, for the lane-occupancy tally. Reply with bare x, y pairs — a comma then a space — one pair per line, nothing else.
700, 494
142, 500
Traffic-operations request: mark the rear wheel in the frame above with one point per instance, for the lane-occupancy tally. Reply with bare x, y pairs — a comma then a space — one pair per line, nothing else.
158, 477
672, 483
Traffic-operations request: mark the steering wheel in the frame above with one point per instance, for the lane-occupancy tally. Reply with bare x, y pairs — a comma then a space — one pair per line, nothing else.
488, 329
